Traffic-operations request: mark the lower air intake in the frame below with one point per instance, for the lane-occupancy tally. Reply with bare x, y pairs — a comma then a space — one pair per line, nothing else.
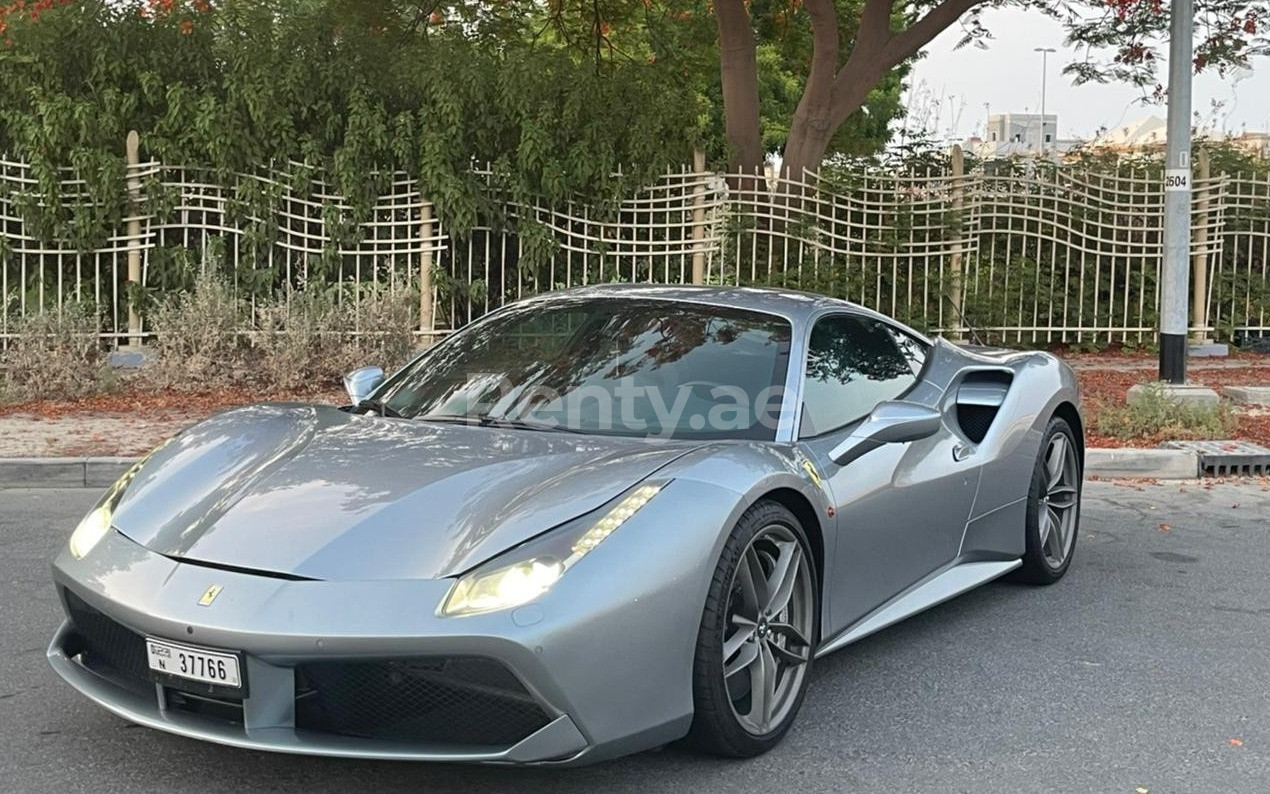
450, 700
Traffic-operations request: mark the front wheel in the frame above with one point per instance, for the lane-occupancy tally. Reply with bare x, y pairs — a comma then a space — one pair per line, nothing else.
1053, 507
757, 635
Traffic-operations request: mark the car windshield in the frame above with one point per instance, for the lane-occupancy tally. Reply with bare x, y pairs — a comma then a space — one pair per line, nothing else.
606, 365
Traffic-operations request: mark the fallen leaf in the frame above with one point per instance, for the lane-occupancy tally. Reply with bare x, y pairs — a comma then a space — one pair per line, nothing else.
1165, 527
1235, 742
1142, 790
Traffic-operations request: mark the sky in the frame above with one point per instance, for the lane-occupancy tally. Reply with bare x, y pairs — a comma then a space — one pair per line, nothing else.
950, 86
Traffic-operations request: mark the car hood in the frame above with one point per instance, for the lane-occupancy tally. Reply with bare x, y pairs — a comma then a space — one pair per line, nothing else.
318, 493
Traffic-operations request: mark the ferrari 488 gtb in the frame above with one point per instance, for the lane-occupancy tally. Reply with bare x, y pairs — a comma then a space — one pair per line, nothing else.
588, 524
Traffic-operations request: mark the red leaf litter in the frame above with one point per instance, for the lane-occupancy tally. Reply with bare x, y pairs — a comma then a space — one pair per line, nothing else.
1106, 378
127, 423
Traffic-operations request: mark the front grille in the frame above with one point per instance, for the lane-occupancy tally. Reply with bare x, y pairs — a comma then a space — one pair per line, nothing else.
229, 710
452, 700
106, 646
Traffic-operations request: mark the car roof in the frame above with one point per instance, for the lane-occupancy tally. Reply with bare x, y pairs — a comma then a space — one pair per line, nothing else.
793, 304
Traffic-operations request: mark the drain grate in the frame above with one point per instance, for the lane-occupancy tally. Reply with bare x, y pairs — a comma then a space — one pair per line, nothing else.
1225, 458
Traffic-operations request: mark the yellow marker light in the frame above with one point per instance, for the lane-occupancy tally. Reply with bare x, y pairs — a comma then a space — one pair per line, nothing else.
615, 518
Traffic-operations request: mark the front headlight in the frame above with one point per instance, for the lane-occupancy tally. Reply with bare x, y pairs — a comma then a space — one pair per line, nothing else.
488, 589
90, 531
96, 525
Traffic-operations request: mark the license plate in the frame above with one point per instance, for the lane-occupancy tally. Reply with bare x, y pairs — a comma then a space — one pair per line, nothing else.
194, 664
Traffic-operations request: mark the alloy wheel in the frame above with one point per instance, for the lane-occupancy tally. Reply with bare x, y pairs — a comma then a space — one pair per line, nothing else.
767, 640
1056, 512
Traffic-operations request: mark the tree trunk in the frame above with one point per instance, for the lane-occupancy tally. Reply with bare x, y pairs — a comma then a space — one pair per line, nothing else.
738, 68
809, 134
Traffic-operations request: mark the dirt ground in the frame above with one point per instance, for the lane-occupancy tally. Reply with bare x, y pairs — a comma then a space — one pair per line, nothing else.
136, 420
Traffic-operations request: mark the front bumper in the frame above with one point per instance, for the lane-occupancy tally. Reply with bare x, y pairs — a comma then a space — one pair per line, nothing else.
606, 655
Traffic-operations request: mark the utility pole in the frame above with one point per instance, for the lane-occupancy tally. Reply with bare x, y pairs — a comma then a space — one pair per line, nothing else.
1174, 270
1045, 54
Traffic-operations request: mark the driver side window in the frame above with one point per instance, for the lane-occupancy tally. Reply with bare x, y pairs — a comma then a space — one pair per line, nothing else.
853, 363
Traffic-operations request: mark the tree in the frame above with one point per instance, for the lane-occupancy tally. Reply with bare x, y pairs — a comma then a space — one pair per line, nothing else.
855, 46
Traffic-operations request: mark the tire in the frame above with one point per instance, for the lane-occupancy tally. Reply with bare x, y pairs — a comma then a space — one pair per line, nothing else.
748, 588
1053, 503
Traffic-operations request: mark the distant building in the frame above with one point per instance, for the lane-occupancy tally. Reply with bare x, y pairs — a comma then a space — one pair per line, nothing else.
1151, 135
1254, 143
1146, 134
1019, 135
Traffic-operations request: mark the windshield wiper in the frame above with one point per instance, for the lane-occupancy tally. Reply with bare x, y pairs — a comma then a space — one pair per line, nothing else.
486, 420
378, 407
489, 420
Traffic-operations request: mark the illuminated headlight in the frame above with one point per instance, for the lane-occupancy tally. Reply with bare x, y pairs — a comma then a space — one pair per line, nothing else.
90, 531
490, 588
96, 525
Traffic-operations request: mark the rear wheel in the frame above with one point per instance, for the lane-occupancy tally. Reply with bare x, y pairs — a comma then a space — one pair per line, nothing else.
757, 635
1053, 507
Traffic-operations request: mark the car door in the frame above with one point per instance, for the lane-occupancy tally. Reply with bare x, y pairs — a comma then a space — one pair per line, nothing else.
900, 510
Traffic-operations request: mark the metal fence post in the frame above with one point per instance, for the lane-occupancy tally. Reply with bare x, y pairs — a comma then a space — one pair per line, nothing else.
133, 158
954, 259
1199, 256
427, 231
699, 217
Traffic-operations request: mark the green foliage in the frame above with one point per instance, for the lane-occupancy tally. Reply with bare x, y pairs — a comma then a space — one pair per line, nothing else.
239, 84
1154, 413
55, 353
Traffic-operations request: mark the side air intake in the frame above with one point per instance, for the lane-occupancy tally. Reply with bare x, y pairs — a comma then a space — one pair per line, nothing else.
979, 398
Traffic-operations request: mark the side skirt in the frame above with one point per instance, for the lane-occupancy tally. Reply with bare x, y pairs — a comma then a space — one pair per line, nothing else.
936, 590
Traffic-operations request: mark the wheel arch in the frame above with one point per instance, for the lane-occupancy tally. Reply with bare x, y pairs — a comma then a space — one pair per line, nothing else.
802, 508
1069, 413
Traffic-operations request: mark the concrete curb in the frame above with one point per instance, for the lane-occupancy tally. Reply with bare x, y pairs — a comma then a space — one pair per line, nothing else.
61, 472
1160, 464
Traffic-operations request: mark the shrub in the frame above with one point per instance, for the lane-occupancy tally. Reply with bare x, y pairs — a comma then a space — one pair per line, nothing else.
1157, 414
383, 319
307, 338
197, 342
296, 339
56, 354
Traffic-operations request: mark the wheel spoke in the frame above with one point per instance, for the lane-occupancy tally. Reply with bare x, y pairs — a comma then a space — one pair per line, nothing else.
790, 656
780, 585
1046, 522
790, 633
746, 656
748, 575
763, 676
1055, 539
1055, 460
743, 634
1062, 497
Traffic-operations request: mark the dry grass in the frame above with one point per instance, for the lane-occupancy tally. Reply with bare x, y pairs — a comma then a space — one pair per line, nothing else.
56, 353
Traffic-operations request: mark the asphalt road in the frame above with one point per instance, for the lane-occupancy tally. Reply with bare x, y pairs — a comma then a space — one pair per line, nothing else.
1146, 669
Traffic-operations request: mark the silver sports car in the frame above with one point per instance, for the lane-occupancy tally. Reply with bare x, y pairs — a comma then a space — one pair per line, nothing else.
588, 524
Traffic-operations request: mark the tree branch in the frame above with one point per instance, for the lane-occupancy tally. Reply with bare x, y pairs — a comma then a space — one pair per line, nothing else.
825, 46
877, 50
917, 35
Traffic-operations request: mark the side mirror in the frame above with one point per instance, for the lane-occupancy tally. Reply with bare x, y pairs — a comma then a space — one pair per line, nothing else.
361, 382
892, 422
